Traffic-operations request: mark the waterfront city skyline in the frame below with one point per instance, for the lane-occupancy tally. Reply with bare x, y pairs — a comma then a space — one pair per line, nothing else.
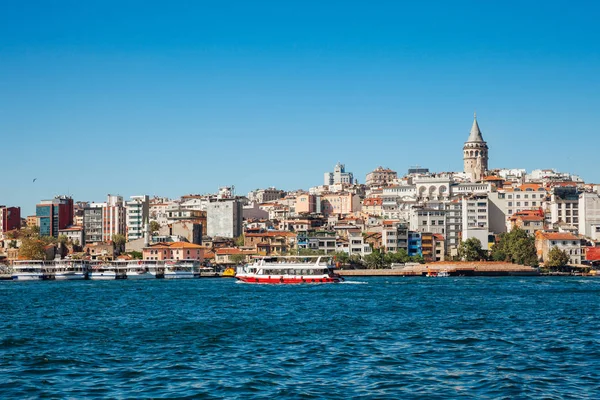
116, 98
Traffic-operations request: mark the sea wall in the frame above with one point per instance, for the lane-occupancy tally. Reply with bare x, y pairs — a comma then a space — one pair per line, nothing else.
453, 268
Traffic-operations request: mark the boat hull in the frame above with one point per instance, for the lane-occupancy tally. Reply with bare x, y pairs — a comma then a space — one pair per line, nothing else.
179, 275
69, 277
142, 276
102, 276
27, 277
288, 280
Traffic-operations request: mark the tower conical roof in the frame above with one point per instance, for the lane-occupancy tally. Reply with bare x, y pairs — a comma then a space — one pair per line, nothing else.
475, 135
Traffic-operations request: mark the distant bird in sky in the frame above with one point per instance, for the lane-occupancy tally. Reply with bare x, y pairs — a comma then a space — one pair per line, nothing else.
34, 179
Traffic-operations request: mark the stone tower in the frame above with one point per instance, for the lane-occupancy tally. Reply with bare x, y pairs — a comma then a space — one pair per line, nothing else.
475, 153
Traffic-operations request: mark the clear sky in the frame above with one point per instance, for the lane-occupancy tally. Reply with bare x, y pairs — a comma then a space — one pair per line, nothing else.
169, 98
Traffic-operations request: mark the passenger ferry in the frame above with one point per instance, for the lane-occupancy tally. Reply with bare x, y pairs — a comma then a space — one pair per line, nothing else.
288, 270
182, 269
138, 270
28, 270
63, 270
104, 270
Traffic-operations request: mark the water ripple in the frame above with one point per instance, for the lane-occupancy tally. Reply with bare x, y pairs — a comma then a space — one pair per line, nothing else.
384, 338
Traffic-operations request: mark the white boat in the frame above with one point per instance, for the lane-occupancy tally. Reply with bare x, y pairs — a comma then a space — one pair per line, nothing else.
443, 274
68, 270
137, 270
104, 270
182, 269
289, 270
28, 270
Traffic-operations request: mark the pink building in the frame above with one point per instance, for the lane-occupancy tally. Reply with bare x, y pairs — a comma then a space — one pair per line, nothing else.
306, 203
174, 251
340, 203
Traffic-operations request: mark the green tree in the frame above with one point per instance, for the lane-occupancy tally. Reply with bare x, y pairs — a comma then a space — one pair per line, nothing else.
355, 260
154, 227
119, 240
557, 259
239, 241
401, 256
470, 250
32, 249
63, 239
237, 259
516, 246
376, 260
417, 258
310, 252
342, 257
136, 255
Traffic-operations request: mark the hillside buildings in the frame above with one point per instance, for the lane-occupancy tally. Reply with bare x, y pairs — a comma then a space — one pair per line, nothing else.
424, 213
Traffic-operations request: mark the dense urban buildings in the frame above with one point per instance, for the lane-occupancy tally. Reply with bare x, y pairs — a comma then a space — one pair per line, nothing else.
422, 214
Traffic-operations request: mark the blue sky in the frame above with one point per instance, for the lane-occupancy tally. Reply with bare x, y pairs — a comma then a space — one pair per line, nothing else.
169, 98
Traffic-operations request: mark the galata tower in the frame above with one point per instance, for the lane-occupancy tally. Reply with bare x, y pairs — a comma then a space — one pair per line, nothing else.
475, 153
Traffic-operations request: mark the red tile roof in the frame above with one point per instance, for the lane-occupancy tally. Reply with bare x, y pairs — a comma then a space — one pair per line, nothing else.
557, 235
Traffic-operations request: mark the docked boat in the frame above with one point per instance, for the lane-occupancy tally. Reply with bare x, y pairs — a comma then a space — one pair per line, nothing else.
289, 270
229, 273
137, 270
29, 270
182, 269
64, 270
105, 271
438, 274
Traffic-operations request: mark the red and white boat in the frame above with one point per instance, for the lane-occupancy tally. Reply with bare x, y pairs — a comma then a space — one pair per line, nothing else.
289, 269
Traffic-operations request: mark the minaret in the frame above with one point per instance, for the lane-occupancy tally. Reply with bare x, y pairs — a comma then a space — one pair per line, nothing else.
146, 233
475, 153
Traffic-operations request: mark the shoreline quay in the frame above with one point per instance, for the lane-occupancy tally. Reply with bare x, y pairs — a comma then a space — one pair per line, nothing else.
453, 269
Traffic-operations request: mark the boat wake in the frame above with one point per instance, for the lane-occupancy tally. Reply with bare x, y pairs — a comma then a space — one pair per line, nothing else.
354, 283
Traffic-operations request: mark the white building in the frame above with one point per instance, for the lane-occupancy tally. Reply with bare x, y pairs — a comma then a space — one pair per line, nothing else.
567, 242
265, 195
426, 219
564, 206
394, 236
224, 218
339, 175
433, 187
74, 234
589, 218
453, 226
102, 221
195, 203
356, 243
138, 214
475, 219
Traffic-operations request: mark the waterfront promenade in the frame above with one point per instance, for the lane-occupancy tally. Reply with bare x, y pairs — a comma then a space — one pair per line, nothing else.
453, 268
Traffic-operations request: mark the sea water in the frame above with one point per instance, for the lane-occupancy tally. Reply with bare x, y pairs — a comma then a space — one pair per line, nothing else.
509, 337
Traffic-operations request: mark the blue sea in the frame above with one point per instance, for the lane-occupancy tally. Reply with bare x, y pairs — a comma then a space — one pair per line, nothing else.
380, 338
